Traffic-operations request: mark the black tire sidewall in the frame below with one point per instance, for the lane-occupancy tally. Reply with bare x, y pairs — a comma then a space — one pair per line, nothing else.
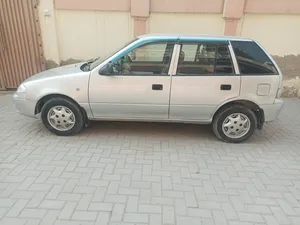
79, 120
228, 111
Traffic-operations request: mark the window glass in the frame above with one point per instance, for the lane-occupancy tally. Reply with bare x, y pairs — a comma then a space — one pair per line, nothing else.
149, 59
223, 61
196, 59
252, 59
190, 52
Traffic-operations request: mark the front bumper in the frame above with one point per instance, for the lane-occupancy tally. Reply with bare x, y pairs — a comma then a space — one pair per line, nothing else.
24, 106
272, 111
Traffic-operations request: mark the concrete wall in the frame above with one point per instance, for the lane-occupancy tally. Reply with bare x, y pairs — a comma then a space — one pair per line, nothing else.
75, 30
278, 33
88, 34
49, 34
186, 23
75, 35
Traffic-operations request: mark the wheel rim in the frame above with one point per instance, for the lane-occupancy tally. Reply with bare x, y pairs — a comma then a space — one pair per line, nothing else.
236, 125
61, 118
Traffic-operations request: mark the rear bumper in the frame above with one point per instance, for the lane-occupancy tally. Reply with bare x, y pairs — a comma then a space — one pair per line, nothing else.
272, 111
24, 106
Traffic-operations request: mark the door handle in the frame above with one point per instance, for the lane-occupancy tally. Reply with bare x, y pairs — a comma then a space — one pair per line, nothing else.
225, 87
157, 87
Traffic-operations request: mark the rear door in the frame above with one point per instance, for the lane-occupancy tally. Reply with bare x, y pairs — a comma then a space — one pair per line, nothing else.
204, 78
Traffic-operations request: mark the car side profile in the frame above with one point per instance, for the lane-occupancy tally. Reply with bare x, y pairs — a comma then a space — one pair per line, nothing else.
229, 82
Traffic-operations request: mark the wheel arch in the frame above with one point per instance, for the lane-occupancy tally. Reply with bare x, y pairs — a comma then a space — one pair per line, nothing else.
41, 102
249, 104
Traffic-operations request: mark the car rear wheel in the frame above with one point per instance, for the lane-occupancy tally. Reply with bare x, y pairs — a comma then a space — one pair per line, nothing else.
62, 117
235, 124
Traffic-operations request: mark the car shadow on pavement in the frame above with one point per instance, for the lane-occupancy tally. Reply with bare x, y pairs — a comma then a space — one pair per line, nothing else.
150, 128
270, 134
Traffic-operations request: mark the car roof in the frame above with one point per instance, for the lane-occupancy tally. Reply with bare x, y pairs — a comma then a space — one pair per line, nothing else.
192, 37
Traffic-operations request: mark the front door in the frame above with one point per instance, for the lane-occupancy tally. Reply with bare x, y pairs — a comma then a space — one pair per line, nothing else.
204, 79
138, 87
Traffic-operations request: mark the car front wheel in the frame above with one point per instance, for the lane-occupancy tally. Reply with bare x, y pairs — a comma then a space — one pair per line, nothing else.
62, 117
235, 124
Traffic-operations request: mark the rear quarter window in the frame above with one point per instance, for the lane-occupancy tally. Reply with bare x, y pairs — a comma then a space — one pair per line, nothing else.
252, 60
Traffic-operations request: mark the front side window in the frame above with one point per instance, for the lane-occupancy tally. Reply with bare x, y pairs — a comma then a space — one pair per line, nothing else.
149, 59
199, 59
252, 60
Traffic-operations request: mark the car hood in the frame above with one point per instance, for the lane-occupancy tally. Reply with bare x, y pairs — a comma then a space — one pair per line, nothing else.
59, 71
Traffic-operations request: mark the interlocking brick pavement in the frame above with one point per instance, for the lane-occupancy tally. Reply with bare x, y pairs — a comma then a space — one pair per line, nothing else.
145, 173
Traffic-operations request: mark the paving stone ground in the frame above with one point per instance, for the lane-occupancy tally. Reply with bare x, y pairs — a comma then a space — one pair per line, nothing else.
145, 173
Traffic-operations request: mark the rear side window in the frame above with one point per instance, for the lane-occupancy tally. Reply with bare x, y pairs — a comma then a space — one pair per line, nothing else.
223, 61
204, 59
252, 60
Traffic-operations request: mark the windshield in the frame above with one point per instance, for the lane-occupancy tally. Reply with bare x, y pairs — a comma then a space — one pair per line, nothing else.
98, 61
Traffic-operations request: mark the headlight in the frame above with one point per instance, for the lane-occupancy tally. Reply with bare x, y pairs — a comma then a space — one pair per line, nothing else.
21, 89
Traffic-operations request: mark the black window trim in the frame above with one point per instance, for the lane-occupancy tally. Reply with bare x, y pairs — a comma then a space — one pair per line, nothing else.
216, 43
254, 74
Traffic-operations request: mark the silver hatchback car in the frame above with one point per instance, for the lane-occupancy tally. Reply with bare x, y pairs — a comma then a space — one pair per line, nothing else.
230, 82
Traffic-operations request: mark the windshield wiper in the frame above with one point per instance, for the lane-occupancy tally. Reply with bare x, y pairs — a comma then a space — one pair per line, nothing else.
89, 62
94, 60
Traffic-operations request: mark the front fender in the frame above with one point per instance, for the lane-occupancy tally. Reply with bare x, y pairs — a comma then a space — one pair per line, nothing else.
74, 86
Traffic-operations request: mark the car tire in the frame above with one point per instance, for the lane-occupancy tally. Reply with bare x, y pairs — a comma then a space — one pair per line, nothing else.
234, 124
62, 116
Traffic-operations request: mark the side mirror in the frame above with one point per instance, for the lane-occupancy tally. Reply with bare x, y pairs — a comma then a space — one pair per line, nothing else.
107, 69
